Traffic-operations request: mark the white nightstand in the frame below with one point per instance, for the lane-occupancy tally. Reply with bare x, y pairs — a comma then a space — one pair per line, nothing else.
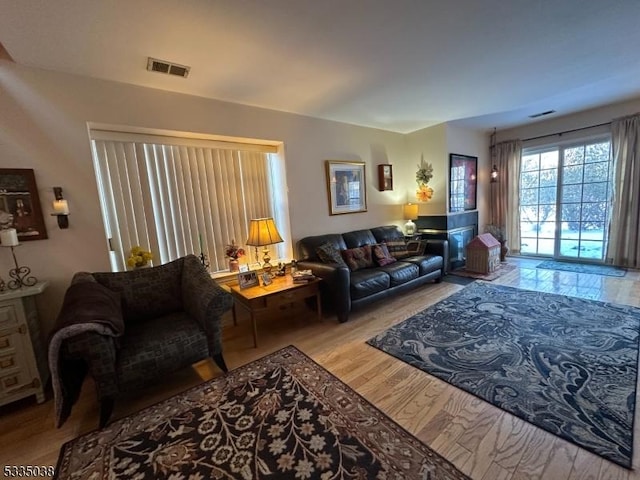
23, 357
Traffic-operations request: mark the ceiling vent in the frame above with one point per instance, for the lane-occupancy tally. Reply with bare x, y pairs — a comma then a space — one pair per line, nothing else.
162, 66
542, 114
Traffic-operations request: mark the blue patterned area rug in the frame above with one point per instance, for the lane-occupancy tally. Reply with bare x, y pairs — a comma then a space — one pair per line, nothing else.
567, 365
607, 270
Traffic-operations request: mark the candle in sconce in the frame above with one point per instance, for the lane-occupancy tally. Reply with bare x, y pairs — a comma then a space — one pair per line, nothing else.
9, 237
60, 207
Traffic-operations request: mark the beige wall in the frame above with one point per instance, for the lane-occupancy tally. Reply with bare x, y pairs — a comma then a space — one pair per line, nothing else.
434, 144
569, 122
43, 125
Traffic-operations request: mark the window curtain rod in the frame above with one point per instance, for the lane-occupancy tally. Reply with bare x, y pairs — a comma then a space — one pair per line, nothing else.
567, 131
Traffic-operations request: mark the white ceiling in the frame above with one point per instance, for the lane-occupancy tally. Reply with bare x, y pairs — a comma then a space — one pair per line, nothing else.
399, 65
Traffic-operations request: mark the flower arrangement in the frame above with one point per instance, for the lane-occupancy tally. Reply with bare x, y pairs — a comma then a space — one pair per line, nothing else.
497, 232
423, 176
424, 173
233, 251
424, 193
139, 257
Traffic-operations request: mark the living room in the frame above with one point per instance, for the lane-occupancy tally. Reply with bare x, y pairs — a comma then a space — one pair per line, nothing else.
44, 125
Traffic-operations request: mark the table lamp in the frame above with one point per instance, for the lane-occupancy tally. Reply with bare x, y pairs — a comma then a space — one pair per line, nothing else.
263, 232
410, 211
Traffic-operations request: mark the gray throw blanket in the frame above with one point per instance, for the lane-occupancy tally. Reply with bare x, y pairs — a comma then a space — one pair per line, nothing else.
87, 307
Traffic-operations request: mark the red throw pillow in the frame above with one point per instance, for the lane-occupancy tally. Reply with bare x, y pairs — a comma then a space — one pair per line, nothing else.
381, 255
357, 258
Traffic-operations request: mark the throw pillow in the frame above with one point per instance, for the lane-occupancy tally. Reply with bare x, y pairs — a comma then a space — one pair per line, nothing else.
357, 258
416, 247
327, 253
381, 255
397, 248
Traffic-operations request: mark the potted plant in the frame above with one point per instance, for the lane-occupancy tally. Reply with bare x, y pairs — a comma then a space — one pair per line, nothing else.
234, 252
499, 234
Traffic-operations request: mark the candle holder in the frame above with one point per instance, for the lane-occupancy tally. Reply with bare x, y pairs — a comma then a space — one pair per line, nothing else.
204, 260
20, 275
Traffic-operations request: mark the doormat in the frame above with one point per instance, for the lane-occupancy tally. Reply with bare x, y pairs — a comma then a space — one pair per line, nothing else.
607, 270
503, 269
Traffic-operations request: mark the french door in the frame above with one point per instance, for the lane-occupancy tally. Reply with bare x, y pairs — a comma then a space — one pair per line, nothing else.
565, 199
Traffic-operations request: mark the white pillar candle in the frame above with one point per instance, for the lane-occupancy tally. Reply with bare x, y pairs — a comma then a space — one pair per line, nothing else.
9, 237
60, 207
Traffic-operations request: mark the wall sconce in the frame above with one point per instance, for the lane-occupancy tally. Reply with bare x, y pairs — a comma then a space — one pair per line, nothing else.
60, 208
494, 174
492, 151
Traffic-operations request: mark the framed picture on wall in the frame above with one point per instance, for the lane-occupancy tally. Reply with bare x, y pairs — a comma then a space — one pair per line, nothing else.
462, 182
20, 204
346, 187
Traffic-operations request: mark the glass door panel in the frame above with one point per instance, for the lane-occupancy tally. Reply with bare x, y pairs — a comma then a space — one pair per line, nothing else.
584, 201
538, 192
564, 201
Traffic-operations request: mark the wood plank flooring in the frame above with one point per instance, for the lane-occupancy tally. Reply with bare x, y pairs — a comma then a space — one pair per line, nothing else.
481, 440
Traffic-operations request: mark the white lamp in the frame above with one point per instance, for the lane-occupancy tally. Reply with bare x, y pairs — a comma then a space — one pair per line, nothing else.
410, 211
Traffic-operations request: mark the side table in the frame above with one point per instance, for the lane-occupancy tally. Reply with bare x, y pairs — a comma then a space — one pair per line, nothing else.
262, 298
23, 364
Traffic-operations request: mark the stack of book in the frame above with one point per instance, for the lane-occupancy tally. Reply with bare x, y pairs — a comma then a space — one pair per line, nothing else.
302, 276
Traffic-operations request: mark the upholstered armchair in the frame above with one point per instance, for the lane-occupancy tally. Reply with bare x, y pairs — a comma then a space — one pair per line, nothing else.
128, 329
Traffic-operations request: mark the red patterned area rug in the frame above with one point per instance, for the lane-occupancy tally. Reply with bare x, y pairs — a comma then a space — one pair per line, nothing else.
282, 416
504, 268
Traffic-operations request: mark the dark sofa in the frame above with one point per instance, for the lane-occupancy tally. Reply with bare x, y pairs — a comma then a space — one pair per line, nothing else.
344, 290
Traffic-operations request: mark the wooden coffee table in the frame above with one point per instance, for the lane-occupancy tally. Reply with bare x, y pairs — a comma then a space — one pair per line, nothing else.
262, 298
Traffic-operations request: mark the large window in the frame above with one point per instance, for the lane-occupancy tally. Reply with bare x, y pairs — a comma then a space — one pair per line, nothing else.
565, 198
178, 195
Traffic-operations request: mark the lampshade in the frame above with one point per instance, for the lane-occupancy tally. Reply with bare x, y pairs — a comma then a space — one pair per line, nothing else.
410, 211
263, 231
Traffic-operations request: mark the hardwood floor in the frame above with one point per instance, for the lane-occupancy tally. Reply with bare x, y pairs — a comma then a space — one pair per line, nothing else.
481, 440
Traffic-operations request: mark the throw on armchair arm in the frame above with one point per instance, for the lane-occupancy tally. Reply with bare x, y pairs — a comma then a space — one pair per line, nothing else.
134, 328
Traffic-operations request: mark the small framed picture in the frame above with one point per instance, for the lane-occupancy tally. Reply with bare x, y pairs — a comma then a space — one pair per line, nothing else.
248, 279
266, 279
243, 268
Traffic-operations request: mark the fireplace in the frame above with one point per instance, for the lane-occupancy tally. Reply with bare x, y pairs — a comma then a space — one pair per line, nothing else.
457, 228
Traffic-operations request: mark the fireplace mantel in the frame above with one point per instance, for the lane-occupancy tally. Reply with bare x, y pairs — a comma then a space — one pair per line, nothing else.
458, 228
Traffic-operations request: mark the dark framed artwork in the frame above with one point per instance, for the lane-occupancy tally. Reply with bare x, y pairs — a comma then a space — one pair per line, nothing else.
346, 187
20, 204
462, 182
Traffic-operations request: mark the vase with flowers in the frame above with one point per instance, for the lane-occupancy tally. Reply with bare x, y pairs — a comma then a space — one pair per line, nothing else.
139, 258
234, 252
423, 177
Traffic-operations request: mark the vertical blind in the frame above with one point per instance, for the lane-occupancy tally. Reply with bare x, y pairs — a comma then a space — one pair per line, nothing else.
179, 196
